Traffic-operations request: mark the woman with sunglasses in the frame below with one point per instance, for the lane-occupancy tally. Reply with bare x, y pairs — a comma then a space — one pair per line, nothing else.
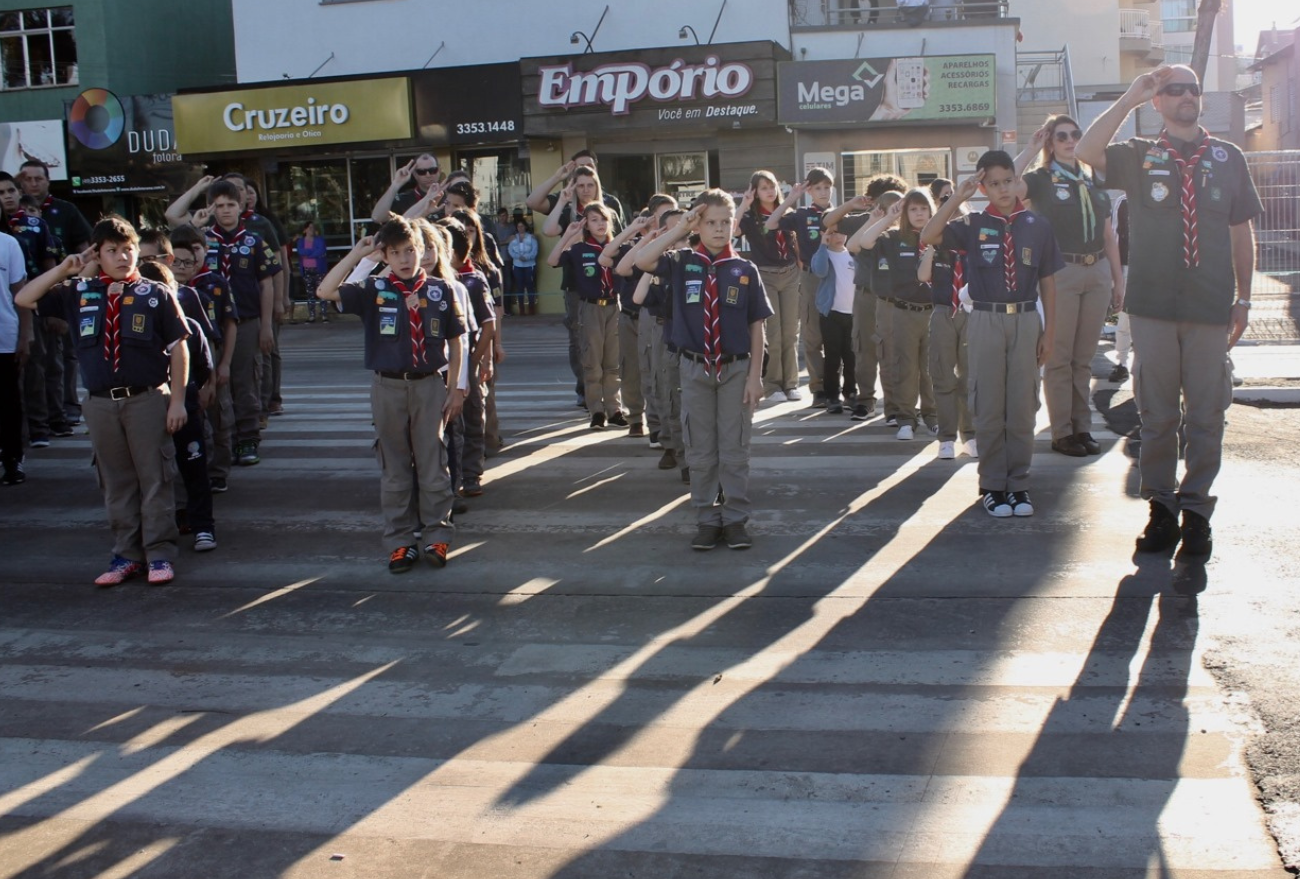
1065, 191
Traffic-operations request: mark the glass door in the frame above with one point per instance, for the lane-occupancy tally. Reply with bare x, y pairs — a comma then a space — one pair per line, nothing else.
682, 175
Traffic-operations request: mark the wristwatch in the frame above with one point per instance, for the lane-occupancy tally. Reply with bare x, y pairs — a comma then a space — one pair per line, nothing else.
1244, 303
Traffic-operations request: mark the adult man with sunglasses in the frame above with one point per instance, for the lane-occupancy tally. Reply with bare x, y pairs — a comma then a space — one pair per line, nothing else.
424, 171
1191, 202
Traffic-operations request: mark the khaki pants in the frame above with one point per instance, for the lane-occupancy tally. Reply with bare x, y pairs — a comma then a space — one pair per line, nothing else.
885, 356
1180, 374
645, 341
911, 344
246, 380
136, 462
948, 373
414, 485
783, 292
810, 330
599, 335
1003, 354
629, 364
716, 427
1082, 297
865, 345
668, 394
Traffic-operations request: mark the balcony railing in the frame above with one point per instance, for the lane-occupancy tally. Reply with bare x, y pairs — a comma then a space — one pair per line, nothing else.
887, 13
1135, 24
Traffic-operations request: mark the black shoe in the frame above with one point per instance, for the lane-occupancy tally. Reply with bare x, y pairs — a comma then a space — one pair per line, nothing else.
598, 421
403, 559
1197, 538
1090, 445
39, 441
458, 506
13, 473
1069, 445
60, 430
736, 536
654, 440
1118, 374
996, 504
834, 409
1021, 505
618, 419
686, 475
668, 461
818, 400
1161, 534
706, 537
862, 412
218, 485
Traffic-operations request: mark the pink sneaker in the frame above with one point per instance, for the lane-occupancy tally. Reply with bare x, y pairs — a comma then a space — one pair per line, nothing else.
119, 570
160, 572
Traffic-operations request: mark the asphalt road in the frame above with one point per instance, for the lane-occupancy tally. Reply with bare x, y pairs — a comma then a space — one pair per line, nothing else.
890, 683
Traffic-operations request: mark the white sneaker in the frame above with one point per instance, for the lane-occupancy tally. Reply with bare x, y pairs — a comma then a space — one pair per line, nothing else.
905, 432
777, 397
793, 395
971, 448
947, 451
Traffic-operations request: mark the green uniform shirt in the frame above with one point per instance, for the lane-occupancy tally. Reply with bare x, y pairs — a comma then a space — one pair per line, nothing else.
1057, 197
1159, 285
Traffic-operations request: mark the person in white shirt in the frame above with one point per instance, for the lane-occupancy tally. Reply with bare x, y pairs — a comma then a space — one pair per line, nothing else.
834, 265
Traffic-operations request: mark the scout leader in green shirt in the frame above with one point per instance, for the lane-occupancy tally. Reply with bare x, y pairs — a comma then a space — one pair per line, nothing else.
1191, 262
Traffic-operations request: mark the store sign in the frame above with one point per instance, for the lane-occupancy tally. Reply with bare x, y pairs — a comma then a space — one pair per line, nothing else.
353, 111
722, 86
887, 90
620, 85
466, 105
124, 144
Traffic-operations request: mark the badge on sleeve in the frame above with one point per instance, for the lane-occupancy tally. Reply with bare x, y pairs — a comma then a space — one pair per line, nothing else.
1220, 154
733, 295
1159, 192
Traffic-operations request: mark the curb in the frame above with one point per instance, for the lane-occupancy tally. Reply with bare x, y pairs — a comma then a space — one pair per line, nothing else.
1290, 396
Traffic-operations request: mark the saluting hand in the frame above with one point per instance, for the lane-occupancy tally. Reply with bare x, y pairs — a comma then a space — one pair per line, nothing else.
1146, 86
968, 187
201, 217
403, 174
1039, 138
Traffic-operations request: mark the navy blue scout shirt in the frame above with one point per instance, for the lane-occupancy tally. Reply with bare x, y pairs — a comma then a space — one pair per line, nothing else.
149, 324
215, 294
591, 280
764, 246
941, 268
902, 256
387, 323
38, 242
1160, 285
741, 298
193, 308
201, 363
480, 296
626, 287
980, 235
806, 224
245, 260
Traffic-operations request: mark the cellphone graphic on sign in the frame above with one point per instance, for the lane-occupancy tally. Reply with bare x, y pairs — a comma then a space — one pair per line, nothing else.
909, 73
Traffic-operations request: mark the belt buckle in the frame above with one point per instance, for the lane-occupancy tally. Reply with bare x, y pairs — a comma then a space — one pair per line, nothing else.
1089, 259
114, 395
1008, 308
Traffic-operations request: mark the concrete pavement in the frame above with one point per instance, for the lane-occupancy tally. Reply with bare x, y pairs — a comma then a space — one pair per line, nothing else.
890, 683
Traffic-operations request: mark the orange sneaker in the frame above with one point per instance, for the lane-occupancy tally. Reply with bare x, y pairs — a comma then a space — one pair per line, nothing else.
436, 553
402, 559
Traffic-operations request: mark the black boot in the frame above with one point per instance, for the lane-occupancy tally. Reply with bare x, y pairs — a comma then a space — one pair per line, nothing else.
1198, 540
1161, 534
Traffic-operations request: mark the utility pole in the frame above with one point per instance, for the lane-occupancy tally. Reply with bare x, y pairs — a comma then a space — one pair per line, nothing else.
1205, 16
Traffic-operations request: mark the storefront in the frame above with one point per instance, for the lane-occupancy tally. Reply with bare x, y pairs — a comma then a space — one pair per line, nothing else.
678, 120
326, 150
920, 118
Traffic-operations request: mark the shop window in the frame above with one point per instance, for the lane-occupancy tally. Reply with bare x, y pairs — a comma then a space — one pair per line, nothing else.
500, 176
915, 167
683, 175
37, 48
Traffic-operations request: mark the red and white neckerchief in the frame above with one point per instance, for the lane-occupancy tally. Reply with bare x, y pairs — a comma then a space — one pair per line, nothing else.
712, 315
112, 315
226, 244
958, 278
1008, 242
606, 273
414, 314
18, 220
48, 203
782, 245
1187, 171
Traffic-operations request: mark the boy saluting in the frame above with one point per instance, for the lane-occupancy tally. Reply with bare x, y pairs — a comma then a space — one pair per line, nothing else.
126, 330
718, 309
1012, 255
413, 335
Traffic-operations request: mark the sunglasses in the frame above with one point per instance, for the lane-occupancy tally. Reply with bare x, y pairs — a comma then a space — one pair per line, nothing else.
1063, 136
1178, 89
426, 170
